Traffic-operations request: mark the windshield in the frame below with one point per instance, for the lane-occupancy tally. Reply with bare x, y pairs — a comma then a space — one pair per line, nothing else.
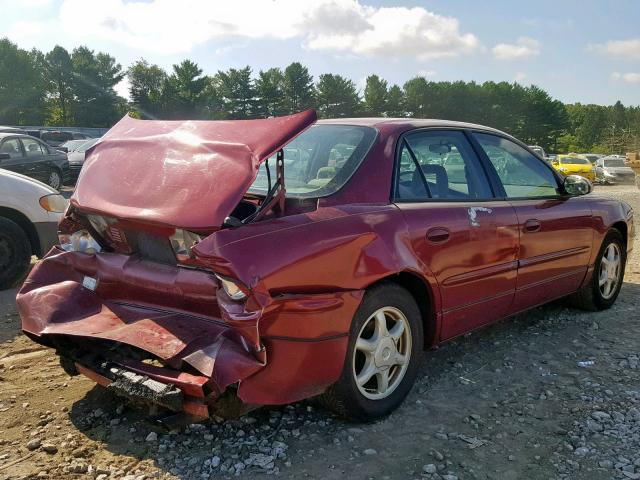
86, 144
72, 145
574, 161
613, 162
58, 137
319, 161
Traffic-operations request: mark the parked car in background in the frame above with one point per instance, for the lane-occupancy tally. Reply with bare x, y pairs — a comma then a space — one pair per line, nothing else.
29, 216
574, 164
70, 145
31, 157
614, 170
76, 155
184, 260
592, 157
56, 138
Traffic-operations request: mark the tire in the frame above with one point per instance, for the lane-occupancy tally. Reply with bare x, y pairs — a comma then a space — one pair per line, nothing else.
54, 179
366, 402
15, 253
594, 296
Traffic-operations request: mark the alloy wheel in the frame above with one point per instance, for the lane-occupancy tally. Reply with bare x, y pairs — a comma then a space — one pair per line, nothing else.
54, 180
609, 275
382, 353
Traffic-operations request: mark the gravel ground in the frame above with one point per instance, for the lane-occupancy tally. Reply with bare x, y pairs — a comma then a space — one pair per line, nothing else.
553, 393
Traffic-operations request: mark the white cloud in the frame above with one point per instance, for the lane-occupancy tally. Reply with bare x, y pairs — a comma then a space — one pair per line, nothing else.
387, 32
345, 27
520, 77
630, 77
626, 49
524, 47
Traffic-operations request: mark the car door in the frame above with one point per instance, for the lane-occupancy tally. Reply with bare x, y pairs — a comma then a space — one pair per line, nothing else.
37, 158
12, 147
556, 231
460, 233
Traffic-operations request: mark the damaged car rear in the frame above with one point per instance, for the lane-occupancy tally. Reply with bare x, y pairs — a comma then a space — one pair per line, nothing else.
154, 290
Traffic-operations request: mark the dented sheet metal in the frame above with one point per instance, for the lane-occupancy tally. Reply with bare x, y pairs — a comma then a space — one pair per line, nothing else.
188, 174
177, 337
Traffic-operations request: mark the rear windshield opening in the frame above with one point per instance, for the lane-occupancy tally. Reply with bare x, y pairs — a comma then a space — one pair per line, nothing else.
319, 161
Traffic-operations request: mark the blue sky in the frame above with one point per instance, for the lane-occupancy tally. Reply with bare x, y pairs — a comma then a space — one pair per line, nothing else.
580, 51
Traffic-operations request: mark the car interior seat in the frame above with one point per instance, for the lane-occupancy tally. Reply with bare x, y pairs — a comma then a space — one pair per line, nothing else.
439, 188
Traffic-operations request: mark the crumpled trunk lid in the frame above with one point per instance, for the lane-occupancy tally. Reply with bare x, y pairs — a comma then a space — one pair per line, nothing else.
186, 174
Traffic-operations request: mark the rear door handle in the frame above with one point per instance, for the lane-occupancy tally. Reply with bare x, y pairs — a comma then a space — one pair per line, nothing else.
532, 225
438, 235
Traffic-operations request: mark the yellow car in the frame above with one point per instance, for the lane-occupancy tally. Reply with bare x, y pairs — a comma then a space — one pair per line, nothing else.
573, 164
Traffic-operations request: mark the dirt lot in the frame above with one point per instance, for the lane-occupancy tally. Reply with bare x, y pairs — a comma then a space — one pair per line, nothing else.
508, 402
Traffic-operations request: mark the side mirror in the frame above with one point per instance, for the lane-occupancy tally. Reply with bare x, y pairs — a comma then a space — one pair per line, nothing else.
4, 156
576, 185
555, 162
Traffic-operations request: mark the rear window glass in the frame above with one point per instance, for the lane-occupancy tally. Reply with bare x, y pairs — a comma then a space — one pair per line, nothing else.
613, 162
56, 136
574, 161
319, 161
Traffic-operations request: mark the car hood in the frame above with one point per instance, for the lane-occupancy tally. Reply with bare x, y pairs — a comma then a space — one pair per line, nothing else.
618, 169
577, 168
42, 188
187, 174
75, 157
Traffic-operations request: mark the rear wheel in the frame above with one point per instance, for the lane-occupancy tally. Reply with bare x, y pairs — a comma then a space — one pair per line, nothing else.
383, 356
603, 289
15, 253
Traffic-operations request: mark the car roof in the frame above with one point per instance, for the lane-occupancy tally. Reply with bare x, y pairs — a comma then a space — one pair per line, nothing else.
15, 134
407, 123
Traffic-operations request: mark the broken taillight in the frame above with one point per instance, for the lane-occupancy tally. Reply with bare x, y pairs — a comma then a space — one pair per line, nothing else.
79, 241
182, 241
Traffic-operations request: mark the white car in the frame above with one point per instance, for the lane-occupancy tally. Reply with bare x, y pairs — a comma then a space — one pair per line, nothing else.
29, 216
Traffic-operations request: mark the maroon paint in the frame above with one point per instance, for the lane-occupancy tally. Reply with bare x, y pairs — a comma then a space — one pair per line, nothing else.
187, 174
306, 272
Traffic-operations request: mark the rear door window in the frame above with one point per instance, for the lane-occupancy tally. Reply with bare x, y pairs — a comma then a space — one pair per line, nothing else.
440, 165
32, 148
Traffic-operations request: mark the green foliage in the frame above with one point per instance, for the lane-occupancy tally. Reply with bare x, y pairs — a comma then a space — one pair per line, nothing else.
270, 93
237, 90
58, 88
375, 96
145, 87
336, 96
298, 88
95, 76
22, 85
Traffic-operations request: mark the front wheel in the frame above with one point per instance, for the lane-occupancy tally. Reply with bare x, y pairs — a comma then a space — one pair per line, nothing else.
603, 288
15, 253
383, 356
54, 179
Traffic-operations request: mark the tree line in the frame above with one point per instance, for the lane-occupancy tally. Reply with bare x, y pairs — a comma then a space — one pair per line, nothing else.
77, 89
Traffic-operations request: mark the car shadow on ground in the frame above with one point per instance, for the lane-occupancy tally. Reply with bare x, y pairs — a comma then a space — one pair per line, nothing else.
462, 372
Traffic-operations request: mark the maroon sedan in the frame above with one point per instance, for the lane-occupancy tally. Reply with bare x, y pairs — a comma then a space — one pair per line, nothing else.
268, 261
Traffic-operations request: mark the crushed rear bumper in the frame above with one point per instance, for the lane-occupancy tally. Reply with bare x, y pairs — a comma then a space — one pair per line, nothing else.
163, 325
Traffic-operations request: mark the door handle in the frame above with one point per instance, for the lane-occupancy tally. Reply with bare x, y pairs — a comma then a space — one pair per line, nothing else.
532, 225
438, 235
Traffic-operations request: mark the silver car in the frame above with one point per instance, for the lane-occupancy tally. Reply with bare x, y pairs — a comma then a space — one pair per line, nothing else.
612, 169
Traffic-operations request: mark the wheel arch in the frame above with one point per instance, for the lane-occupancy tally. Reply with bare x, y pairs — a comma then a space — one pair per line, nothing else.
25, 224
423, 294
622, 227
